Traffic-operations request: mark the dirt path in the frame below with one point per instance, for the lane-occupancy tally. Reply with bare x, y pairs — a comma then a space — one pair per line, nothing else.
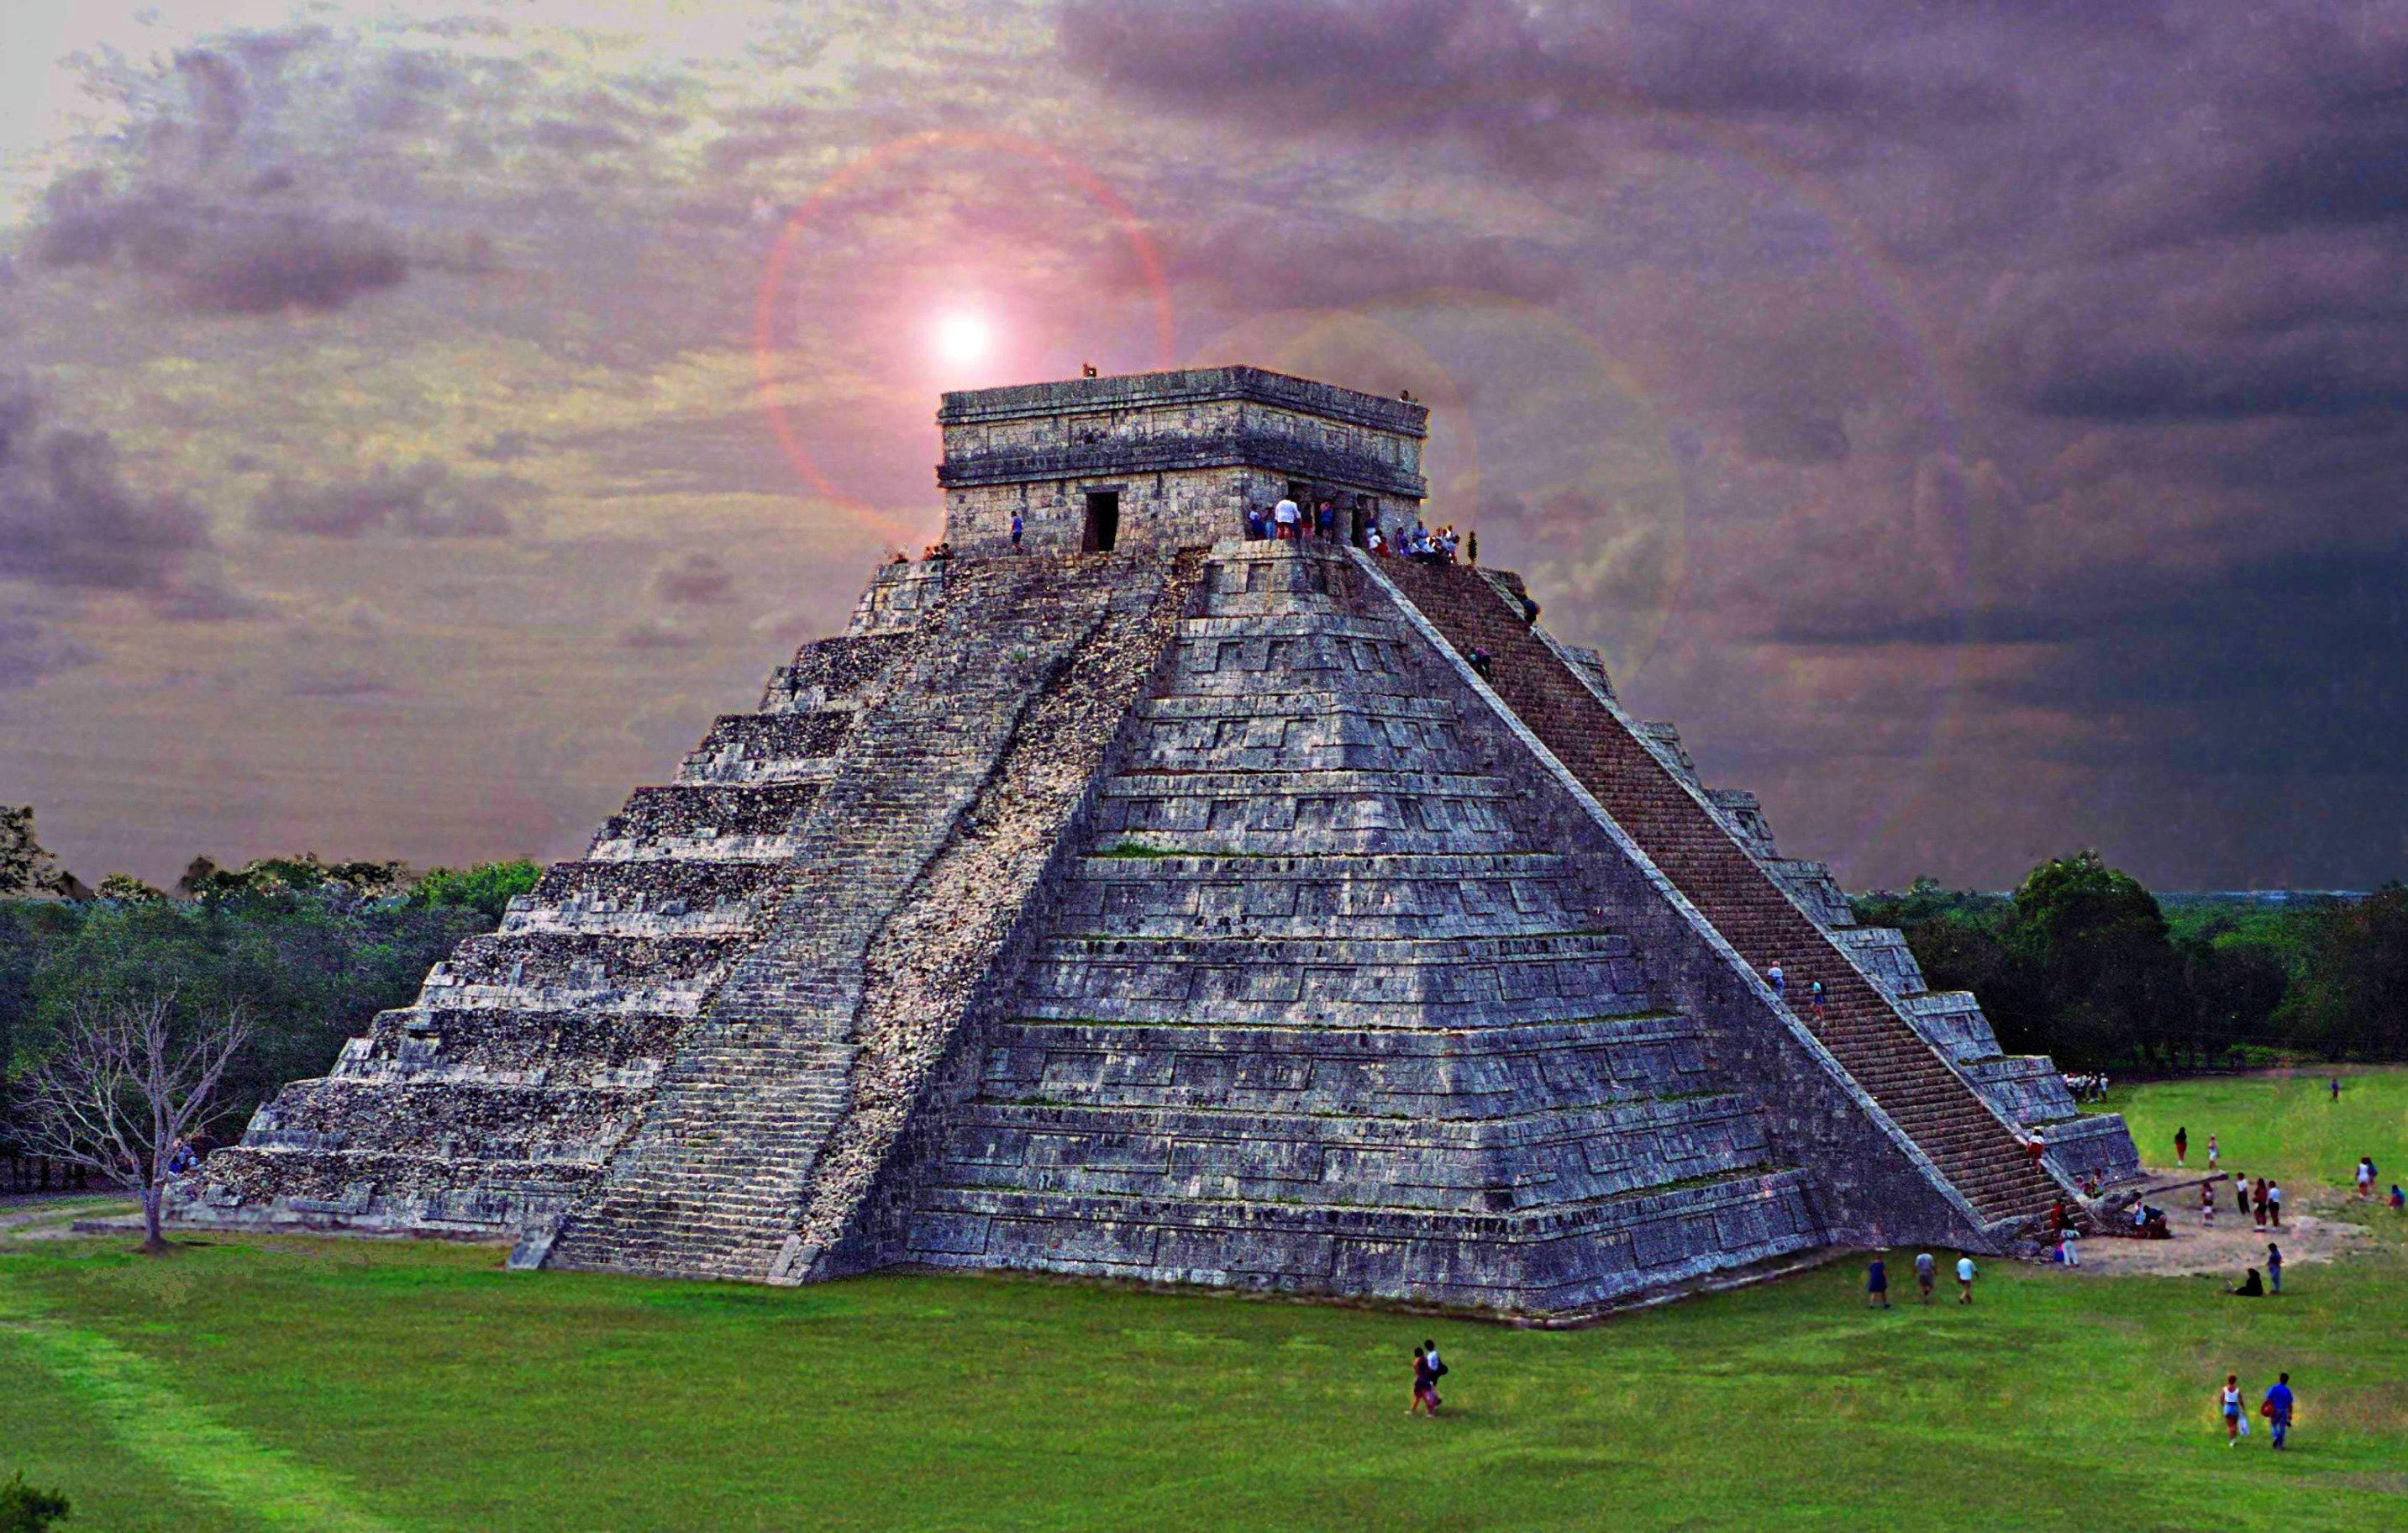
51, 1216
2232, 1244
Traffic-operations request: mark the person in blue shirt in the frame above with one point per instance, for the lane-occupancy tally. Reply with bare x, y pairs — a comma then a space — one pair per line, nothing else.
2274, 1265
2278, 1409
1877, 1284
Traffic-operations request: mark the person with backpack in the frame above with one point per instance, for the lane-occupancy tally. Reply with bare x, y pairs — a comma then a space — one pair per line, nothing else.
1437, 1367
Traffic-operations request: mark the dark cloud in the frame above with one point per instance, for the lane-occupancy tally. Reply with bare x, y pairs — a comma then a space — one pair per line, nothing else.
420, 499
69, 521
220, 100
568, 137
694, 580
503, 447
658, 633
215, 257
2287, 665
1515, 74
191, 212
31, 651
338, 686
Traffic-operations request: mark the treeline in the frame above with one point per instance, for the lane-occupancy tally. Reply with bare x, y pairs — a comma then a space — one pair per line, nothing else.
2083, 962
310, 950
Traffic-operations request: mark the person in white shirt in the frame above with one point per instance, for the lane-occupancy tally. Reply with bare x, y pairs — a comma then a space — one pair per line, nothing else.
1964, 1279
1284, 517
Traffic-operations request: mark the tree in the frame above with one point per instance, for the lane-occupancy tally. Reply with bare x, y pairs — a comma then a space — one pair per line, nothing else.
25, 867
125, 1087
2354, 995
26, 1510
124, 886
488, 887
2110, 986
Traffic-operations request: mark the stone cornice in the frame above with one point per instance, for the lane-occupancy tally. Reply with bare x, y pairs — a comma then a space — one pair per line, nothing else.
1220, 450
1197, 385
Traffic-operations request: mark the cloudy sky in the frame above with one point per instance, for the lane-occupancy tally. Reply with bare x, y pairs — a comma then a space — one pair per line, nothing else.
1980, 426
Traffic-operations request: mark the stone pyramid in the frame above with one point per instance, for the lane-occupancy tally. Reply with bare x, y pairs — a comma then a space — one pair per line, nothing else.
1147, 901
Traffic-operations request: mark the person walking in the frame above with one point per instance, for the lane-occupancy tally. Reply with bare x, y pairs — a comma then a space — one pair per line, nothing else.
1814, 995
2182, 1145
1877, 1283
1925, 1269
1964, 1279
1438, 1369
2273, 1204
1425, 1386
2230, 1404
2207, 1203
2274, 1267
2277, 1410
2336, 1087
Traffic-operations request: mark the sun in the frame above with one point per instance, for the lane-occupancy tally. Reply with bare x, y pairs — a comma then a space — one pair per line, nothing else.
964, 339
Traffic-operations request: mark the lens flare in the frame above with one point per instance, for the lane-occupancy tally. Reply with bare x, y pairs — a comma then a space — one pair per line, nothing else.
964, 339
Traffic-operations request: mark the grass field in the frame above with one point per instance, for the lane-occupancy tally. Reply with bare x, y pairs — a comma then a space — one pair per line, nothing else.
349, 1386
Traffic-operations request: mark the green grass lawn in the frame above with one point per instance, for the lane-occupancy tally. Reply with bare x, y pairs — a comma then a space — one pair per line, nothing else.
336, 1384
2286, 1126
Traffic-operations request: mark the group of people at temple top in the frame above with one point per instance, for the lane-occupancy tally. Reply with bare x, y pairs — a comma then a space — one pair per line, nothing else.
1288, 522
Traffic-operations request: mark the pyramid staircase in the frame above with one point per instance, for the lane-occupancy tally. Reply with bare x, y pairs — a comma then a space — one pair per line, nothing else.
787, 1069
1858, 1023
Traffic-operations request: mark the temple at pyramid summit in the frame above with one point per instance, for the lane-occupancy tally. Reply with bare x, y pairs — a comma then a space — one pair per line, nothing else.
1151, 902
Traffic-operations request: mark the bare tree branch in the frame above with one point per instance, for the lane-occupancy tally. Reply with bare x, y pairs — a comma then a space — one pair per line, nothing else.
121, 1094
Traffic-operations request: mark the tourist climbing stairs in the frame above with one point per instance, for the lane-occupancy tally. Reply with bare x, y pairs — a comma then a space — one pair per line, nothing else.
1857, 1023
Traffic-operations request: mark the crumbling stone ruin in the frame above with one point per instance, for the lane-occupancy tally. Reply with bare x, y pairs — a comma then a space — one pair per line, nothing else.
1150, 903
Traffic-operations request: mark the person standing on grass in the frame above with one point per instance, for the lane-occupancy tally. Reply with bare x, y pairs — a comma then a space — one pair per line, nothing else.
1925, 1269
2277, 1410
2274, 1204
2231, 1403
2398, 1202
2211, 1152
2256, 1201
2241, 1194
1438, 1369
2336, 1087
2182, 1145
1425, 1386
2275, 1267
2366, 1176
1964, 1279
1877, 1283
